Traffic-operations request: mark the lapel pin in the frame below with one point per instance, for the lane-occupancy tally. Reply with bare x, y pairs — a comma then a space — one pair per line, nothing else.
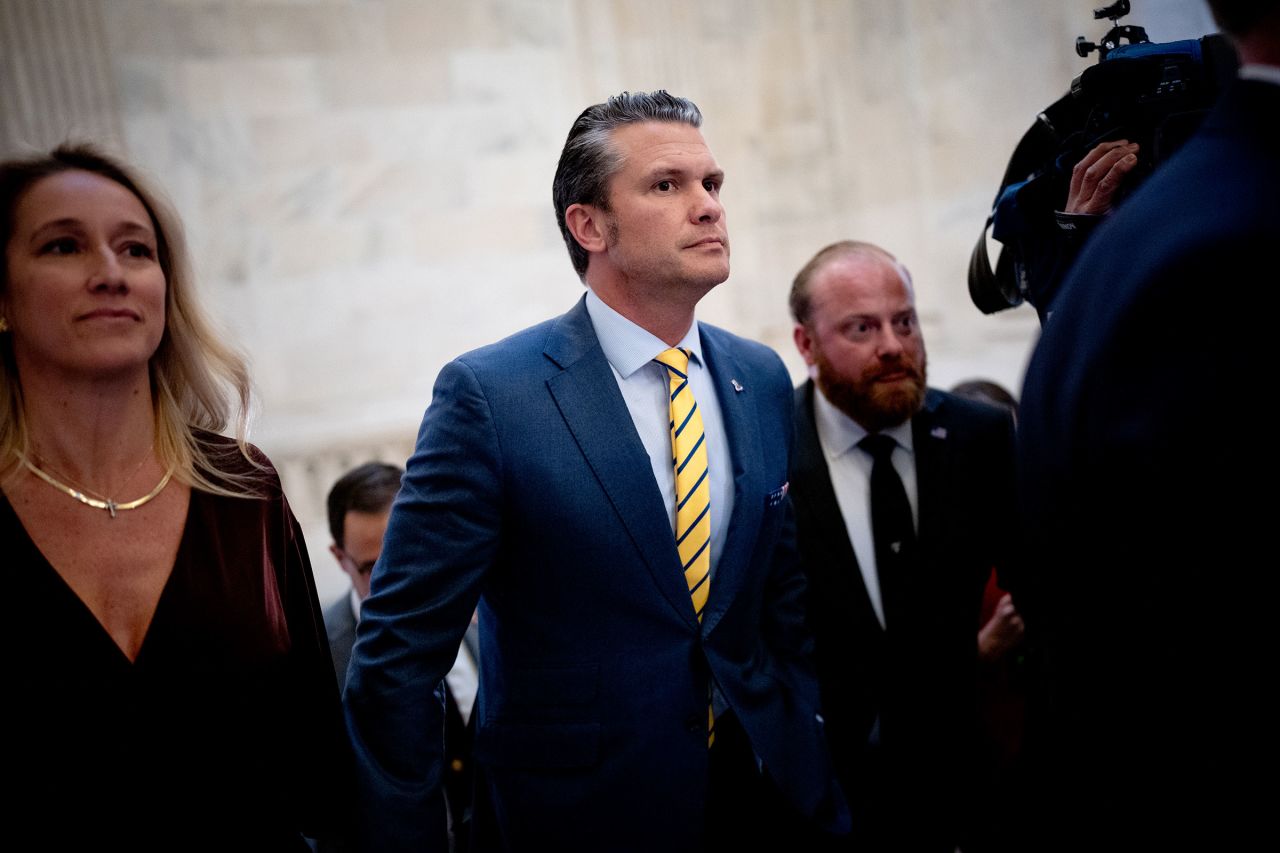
737, 386
938, 432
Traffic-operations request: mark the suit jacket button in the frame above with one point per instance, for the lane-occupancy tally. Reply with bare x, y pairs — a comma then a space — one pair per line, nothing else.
696, 724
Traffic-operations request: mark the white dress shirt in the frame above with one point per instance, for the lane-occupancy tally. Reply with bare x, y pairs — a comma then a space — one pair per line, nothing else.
850, 469
643, 382
464, 682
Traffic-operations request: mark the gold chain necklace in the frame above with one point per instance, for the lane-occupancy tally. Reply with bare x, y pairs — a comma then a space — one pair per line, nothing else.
109, 505
49, 469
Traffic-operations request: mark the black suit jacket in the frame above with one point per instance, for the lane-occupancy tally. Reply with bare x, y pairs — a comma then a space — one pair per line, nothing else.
1141, 459
917, 678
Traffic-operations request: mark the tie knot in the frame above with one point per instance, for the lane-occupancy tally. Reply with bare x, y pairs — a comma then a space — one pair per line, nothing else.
675, 359
879, 446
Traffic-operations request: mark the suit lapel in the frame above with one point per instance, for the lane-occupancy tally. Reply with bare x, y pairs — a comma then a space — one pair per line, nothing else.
816, 502
588, 398
741, 427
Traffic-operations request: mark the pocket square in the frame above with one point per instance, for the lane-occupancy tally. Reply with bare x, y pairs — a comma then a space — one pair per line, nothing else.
775, 497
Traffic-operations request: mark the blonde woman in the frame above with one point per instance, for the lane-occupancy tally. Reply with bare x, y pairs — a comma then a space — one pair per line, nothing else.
168, 665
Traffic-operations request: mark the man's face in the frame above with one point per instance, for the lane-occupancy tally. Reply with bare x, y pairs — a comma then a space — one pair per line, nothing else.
665, 226
864, 340
362, 543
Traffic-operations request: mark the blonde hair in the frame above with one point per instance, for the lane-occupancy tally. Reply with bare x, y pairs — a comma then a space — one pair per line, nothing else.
199, 384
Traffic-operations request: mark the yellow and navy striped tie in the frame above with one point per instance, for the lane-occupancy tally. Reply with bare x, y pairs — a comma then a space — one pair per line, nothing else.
693, 488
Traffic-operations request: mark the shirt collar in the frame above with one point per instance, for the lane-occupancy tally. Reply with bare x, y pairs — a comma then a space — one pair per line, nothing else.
842, 433
629, 347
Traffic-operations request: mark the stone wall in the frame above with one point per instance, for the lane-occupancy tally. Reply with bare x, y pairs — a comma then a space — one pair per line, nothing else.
366, 183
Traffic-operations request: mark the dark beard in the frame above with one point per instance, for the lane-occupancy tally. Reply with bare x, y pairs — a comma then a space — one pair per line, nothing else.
875, 407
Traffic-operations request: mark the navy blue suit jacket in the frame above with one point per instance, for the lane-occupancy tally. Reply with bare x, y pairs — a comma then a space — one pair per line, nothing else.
1140, 459
530, 492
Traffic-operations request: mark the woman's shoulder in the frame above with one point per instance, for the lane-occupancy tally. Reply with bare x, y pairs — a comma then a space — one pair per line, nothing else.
236, 467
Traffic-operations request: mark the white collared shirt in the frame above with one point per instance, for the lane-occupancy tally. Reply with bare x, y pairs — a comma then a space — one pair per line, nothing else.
850, 469
464, 682
643, 382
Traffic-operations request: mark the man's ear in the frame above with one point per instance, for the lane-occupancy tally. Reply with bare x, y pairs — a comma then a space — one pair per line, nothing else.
804, 343
586, 223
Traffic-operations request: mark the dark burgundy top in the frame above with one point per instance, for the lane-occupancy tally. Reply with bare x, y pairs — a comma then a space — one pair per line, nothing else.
225, 733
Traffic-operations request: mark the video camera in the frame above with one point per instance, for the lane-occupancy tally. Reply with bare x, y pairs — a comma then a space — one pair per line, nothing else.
1153, 94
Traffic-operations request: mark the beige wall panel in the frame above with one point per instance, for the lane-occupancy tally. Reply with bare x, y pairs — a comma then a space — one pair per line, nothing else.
366, 183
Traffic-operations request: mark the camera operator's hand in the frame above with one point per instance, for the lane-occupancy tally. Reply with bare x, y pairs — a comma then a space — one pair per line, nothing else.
1096, 178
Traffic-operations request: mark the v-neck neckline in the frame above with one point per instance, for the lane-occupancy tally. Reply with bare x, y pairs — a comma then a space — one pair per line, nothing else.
166, 591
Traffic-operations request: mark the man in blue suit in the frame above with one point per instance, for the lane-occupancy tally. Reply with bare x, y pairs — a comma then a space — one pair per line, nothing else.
611, 487
1141, 467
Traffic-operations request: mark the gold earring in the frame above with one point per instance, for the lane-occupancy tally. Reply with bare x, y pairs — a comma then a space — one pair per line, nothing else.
4, 325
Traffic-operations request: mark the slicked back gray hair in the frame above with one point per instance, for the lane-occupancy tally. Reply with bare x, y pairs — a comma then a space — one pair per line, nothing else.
589, 159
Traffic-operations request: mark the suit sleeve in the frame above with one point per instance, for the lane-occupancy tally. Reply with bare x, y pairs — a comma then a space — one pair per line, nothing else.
440, 542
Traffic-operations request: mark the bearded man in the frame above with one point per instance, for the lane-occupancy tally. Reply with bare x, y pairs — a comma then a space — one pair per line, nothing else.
904, 501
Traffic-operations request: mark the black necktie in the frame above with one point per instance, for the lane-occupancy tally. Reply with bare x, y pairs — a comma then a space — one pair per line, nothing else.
892, 527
